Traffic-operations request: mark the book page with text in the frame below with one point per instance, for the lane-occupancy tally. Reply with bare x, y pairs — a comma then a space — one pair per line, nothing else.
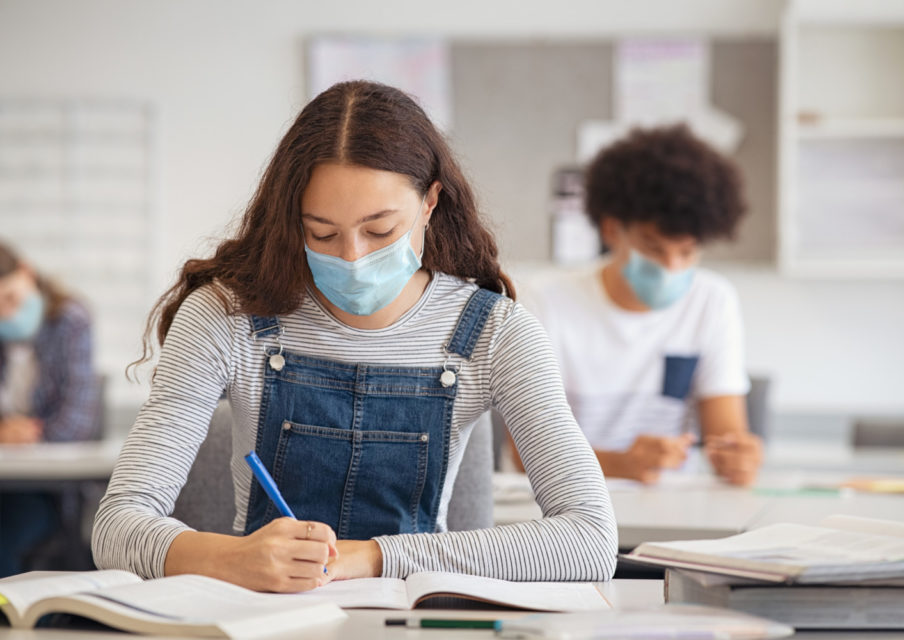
359, 593
791, 548
22, 593
538, 596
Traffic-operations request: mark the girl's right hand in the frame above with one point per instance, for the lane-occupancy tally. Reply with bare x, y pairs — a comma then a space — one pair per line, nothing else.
285, 556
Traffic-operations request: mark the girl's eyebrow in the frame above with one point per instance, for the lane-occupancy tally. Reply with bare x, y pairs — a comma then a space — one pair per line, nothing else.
373, 216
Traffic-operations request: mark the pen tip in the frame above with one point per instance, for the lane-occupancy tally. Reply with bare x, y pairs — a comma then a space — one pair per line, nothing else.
395, 622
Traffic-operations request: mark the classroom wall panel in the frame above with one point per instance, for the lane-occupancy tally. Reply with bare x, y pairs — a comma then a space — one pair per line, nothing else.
530, 96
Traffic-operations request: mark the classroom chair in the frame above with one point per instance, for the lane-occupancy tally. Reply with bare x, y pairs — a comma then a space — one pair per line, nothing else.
207, 501
878, 432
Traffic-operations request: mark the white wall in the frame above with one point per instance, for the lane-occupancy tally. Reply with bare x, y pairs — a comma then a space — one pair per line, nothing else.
227, 78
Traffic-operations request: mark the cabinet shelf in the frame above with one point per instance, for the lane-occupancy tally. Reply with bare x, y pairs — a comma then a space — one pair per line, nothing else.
839, 128
841, 139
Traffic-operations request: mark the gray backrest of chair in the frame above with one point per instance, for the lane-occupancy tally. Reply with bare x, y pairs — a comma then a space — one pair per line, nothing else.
758, 413
471, 505
878, 432
207, 501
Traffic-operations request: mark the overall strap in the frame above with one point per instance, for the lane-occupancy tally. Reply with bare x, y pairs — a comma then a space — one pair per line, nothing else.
471, 322
263, 326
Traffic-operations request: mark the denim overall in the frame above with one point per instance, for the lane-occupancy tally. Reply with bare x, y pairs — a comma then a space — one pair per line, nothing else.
361, 447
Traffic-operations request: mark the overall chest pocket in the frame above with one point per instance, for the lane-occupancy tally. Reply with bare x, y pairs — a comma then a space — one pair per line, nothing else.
679, 373
362, 482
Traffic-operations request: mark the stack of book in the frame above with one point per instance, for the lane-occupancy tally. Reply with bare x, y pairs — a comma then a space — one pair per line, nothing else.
846, 573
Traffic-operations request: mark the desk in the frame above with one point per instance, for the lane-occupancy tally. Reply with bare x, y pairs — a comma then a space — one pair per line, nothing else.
694, 505
77, 473
670, 511
369, 623
58, 461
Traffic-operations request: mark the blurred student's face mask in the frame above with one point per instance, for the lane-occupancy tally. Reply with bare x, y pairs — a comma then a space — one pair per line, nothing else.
371, 282
25, 322
653, 284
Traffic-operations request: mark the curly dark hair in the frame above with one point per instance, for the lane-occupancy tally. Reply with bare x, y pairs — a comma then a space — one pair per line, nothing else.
668, 177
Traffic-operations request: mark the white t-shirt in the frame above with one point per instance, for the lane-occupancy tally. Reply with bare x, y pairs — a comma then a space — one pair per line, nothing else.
628, 373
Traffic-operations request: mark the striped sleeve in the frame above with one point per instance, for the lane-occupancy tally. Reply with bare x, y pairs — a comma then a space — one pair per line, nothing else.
576, 539
132, 530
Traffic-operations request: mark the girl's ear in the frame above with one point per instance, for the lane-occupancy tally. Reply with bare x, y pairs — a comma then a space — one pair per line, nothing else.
609, 228
432, 198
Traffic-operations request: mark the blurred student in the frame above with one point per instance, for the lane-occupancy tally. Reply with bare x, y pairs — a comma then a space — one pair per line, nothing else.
47, 391
648, 339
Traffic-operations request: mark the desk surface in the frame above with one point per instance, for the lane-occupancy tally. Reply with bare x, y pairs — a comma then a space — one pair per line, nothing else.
687, 506
59, 461
370, 624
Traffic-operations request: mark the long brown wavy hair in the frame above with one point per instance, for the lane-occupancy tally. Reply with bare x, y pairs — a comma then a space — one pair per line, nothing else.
54, 295
357, 123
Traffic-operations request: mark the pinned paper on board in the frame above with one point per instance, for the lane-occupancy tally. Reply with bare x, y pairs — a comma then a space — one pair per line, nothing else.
418, 66
659, 82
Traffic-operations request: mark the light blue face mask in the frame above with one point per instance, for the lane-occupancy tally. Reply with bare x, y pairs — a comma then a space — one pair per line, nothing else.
369, 283
653, 284
24, 323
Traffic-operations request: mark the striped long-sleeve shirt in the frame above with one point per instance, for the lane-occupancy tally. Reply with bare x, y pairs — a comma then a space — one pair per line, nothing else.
209, 350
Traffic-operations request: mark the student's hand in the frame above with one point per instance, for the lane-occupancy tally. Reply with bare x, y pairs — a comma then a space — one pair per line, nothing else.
647, 456
736, 457
356, 559
20, 430
285, 555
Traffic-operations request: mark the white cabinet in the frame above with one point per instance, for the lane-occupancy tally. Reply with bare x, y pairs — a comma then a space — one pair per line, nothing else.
841, 138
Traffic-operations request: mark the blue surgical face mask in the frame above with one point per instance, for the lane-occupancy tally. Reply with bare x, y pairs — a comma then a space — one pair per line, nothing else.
24, 323
369, 283
653, 284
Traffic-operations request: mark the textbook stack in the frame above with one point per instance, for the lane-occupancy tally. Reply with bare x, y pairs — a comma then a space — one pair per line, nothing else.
847, 573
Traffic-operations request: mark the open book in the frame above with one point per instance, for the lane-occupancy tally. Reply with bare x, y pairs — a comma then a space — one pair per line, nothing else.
179, 605
843, 549
424, 587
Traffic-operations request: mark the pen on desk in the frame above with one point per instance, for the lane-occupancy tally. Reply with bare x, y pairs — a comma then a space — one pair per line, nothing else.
263, 476
441, 623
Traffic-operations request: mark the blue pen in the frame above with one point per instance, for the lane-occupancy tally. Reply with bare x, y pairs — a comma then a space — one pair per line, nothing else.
263, 476
266, 480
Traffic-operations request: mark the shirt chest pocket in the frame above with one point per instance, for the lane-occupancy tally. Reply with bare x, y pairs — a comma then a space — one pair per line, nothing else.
679, 373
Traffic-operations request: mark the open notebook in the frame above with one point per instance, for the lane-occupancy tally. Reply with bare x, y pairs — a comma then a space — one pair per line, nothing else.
201, 606
178, 605
842, 549
420, 588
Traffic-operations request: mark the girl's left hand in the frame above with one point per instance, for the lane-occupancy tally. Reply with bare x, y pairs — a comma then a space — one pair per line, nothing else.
356, 559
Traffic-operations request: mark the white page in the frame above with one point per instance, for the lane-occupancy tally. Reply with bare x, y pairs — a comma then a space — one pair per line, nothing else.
793, 545
359, 593
542, 596
192, 598
22, 593
864, 525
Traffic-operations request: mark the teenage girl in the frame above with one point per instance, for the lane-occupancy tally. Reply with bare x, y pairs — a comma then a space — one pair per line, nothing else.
358, 323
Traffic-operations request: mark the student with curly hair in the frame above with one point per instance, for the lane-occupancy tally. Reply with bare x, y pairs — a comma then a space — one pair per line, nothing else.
648, 339
359, 324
